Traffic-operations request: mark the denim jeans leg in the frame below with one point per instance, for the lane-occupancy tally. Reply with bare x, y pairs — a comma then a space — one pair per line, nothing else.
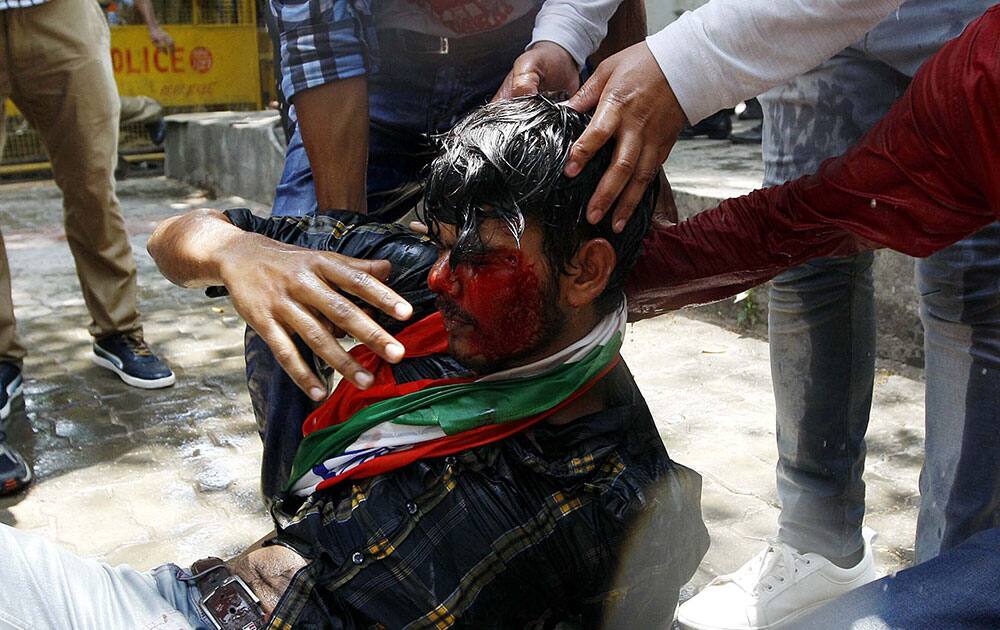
821, 319
960, 311
177, 587
296, 192
822, 342
43, 585
280, 408
955, 590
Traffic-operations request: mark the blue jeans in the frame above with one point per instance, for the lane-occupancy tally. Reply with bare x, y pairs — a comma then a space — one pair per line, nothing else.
822, 316
411, 96
45, 586
956, 590
960, 309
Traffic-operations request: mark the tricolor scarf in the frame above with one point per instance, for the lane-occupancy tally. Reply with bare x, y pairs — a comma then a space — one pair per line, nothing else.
362, 433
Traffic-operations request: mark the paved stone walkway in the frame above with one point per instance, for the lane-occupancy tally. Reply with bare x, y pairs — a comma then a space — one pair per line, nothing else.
171, 475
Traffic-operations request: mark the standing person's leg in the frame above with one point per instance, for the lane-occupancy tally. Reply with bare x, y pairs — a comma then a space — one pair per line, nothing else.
63, 83
65, 87
10, 350
960, 311
15, 473
822, 344
821, 324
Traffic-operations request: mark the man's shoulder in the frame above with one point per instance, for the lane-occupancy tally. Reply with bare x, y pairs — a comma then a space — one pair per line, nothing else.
358, 236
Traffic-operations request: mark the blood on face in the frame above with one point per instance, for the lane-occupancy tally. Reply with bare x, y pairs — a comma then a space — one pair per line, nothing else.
494, 306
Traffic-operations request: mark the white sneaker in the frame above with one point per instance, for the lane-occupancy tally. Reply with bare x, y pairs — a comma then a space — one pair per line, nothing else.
776, 587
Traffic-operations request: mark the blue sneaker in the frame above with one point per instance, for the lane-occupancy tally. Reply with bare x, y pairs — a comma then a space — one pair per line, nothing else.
128, 356
15, 474
10, 387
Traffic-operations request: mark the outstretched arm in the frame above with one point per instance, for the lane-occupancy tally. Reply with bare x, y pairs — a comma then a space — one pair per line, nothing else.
283, 290
924, 177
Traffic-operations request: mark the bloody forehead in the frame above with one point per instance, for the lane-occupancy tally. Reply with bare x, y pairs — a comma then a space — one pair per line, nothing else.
480, 231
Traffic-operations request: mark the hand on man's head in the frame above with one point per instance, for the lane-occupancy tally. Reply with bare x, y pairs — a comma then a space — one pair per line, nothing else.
635, 106
545, 67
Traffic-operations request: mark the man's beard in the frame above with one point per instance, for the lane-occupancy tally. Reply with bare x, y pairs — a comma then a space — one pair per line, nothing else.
498, 350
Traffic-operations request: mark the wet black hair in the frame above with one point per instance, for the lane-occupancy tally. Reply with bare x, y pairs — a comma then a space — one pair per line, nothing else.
505, 161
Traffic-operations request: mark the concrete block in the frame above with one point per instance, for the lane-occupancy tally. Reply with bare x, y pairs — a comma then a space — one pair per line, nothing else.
226, 153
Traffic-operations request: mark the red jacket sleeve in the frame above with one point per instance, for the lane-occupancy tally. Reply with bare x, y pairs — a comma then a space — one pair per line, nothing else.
924, 177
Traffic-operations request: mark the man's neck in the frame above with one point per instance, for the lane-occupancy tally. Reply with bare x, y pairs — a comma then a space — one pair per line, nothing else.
578, 326
596, 399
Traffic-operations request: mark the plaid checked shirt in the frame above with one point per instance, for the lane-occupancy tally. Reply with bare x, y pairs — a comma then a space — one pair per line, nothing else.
588, 521
323, 41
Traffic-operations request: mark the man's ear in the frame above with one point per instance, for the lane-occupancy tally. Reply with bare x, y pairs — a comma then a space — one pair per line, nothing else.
588, 272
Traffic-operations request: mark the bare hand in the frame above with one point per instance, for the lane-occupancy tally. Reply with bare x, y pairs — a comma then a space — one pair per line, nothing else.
546, 67
636, 106
282, 290
162, 40
267, 571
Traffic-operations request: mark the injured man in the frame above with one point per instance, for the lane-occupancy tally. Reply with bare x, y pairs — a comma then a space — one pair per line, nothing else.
505, 474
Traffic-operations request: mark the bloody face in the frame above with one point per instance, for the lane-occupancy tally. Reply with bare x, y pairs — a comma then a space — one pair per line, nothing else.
500, 306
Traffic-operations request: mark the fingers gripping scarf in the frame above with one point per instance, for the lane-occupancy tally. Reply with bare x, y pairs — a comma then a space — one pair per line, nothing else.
359, 433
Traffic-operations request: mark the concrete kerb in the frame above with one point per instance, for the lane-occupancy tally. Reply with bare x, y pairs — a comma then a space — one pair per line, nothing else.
226, 153
242, 153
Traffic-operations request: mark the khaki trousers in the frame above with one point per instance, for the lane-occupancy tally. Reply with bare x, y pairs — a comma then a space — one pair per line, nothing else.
140, 109
55, 64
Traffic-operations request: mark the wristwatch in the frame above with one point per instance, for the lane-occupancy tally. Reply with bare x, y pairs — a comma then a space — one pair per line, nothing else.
226, 599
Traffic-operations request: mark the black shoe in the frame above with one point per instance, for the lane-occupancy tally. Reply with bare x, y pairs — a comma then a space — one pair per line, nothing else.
10, 387
128, 356
716, 127
157, 132
15, 473
754, 135
753, 110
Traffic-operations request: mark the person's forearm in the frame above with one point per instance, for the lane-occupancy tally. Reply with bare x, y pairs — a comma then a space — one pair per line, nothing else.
145, 10
729, 50
334, 123
924, 177
740, 244
187, 248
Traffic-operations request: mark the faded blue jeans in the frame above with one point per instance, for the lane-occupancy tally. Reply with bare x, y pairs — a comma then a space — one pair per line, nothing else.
956, 590
410, 96
822, 315
45, 587
960, 309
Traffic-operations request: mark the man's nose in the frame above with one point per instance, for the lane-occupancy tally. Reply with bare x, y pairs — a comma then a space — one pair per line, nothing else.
441, 279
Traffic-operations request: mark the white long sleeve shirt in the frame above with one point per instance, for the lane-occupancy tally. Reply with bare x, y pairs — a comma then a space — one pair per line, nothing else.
730, 50
579, 26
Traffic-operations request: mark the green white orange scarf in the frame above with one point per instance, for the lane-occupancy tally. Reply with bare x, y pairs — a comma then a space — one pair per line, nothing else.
361, 433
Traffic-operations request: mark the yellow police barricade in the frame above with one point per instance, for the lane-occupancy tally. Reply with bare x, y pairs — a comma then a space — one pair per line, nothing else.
220, 55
